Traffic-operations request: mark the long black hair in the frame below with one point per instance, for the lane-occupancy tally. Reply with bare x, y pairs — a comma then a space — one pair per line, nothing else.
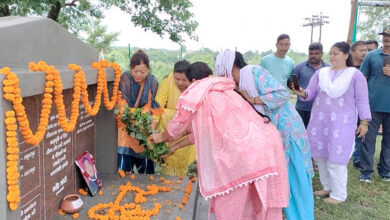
239, 60
345, 48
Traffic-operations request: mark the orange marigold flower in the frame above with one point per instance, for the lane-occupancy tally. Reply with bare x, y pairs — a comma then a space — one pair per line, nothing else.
8, 89
178, 218
122, 173
75, 216
83, 192
13, 206
61, 212
151, 177
9, 114
132, 176
9, 96
100, 192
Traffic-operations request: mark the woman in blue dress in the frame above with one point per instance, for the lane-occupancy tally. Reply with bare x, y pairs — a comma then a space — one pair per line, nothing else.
268, 96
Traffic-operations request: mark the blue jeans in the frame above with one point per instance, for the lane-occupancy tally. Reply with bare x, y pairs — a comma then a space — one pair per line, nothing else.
358, 143
127, 162
356, 152
368, 147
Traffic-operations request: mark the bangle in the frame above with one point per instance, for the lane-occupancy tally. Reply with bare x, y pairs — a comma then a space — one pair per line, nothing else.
364, 122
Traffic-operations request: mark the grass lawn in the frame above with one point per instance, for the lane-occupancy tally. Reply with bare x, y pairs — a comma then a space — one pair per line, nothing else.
365, 201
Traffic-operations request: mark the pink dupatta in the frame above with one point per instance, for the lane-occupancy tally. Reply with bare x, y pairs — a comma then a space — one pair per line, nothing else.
234, 145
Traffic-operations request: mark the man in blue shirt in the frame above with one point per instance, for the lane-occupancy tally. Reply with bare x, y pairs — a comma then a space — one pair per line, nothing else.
304, 72
278, 64
378, 77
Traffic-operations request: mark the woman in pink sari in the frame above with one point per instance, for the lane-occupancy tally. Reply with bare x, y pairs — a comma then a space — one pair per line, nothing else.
240, 157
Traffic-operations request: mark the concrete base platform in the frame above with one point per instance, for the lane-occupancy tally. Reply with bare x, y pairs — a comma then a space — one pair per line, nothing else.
196, 208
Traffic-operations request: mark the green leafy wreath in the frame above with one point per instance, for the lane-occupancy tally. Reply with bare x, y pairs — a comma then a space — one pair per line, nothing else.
139, 125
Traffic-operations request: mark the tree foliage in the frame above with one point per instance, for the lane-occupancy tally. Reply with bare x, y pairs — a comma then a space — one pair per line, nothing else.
163, 60
98, 36
163, 17
374, 20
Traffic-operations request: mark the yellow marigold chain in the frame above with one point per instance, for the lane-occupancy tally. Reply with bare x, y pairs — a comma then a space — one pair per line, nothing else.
12, 93
13, 197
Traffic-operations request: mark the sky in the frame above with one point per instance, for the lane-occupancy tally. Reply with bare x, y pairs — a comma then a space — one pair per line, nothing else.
244, 24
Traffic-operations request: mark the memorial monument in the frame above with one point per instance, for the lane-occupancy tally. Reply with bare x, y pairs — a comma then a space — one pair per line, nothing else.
47, 170
55, 105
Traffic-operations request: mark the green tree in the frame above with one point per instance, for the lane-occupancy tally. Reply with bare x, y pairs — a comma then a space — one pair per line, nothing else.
252, 57
119, 55
298, 57
375, 19
160, 16
204, 55
98, 36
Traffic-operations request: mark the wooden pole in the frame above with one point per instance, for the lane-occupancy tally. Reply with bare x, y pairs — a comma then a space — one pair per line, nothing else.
352, 21
311, 39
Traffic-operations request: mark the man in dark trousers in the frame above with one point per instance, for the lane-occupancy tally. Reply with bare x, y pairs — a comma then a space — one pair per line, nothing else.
376, 68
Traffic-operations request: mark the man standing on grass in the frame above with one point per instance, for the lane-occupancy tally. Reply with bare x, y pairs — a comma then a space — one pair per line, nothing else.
279, 64
377, 72
358, 52
304, 72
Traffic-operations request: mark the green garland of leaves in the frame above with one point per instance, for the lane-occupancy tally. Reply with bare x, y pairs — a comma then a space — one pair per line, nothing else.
139, 126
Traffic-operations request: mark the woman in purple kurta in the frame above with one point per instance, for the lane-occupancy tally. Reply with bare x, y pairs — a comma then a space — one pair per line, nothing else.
340, 93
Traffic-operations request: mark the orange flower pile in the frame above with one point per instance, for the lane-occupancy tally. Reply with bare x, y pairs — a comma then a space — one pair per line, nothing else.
131, 210
13, 196
53, 85
188, 192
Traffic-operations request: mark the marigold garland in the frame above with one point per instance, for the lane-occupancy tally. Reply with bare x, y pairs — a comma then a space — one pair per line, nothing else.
12, 161
53, 85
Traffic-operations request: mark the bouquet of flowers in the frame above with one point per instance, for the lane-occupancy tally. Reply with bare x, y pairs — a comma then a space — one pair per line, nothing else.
138, 123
